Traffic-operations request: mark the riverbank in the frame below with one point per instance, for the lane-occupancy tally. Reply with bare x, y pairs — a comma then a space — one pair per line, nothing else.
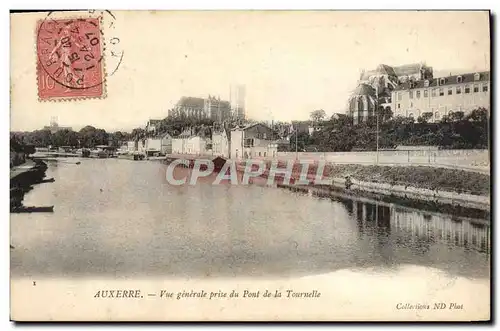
453, 188
456, 189
421, 177
22, 179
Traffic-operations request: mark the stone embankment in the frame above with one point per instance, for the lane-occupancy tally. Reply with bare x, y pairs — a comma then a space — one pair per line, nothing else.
436, 185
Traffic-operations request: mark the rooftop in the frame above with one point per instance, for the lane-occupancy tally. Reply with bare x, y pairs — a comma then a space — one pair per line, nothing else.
448, 80
363, 89
408, 69
402, 70
191, 102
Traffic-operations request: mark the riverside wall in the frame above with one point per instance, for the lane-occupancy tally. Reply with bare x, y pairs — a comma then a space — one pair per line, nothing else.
448, 157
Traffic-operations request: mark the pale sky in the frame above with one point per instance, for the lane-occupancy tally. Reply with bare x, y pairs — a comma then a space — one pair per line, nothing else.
290, 62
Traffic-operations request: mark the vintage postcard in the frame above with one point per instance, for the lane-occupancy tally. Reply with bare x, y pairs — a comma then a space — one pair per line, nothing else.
250, 166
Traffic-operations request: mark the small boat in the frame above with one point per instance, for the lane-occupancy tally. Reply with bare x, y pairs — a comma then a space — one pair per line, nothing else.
83, 152
99, 154
131, 156
22, 209
49, 180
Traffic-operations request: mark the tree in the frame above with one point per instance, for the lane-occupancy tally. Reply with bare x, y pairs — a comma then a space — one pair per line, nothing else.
91, 137
117, 138
65, 138
302, 141
318, 115
39, 138
385, 113
425, 117
456, 116
138, 134
478, 115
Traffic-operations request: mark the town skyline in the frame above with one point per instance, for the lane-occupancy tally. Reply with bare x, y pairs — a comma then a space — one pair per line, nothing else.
285, 78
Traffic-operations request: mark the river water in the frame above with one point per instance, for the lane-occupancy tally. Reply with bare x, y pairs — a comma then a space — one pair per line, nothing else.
119, 218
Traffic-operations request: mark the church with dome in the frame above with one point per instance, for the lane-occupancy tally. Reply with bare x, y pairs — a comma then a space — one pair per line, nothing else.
375, 88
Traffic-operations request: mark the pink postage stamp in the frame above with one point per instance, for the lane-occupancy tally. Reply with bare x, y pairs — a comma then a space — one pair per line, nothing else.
70, 59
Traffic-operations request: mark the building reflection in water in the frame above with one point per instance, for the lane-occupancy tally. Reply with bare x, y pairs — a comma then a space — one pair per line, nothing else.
422, 227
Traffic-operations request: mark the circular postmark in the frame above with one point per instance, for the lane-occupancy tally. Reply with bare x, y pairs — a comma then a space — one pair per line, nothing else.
71, 51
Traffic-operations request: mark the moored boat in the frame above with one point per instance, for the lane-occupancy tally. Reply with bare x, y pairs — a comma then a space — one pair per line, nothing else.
23, 209
131, 156
100, 154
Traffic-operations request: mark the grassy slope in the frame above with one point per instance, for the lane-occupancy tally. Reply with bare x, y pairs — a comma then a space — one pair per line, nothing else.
421, 177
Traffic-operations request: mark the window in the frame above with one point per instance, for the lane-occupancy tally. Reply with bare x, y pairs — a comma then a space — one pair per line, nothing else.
441, 92
477, 76
259, 153
426, 93
434, 92
485, 87
399, 105
400, 96
441, 81
450, 91
264, 154
467, 89
418, 94
476, 88
436, 115
411, 104
410, 115
459, 79
426, 83
411, 94
459, 89
248, 142
265, 135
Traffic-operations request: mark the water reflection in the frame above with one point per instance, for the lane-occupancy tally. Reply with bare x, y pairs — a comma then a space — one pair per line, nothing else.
124, 220
416, 225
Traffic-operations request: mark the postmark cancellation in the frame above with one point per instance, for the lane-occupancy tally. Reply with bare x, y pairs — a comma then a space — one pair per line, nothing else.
70, 58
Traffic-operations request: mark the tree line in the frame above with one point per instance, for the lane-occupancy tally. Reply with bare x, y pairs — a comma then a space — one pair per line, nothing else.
454, 131
87, 137
338, 133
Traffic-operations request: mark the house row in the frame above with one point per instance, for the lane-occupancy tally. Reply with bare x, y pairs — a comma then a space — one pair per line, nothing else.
161, 145
251, 141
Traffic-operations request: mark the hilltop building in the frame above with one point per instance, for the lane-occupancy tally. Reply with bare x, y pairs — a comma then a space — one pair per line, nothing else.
362, 103
375, 88
442, 95
237, 99
199, 108
411, 90
54, 126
